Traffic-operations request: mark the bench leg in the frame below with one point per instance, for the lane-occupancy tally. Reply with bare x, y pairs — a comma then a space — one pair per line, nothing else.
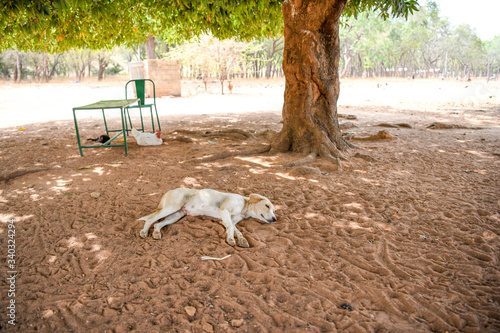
157, 118
124, 129
77, 133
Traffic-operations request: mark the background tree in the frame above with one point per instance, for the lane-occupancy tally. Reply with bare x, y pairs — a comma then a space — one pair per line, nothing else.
208, 56
273, 48
18, 70
254, 59
432, 35
467, 51
350, 38
5, 65
196, 59
493, 57
78, 61
225, 55
103, 58
370, 46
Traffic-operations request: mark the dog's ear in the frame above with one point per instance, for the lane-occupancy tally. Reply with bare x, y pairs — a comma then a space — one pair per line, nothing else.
253, 198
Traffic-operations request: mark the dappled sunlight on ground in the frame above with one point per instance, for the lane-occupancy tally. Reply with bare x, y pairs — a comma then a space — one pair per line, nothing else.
409, 240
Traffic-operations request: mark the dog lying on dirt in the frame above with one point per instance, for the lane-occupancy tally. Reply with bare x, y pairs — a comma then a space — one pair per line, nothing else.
230, 208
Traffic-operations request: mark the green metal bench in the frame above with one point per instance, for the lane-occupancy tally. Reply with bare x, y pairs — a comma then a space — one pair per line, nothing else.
104, 105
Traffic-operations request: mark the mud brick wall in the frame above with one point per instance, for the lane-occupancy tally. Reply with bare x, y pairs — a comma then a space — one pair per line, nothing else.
166, 74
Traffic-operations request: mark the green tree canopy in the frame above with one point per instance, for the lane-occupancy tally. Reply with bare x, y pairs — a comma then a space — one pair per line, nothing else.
60, 25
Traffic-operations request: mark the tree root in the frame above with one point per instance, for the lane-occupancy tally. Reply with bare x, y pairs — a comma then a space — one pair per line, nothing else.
438, 125
232, 132
226, 154
347, 116
235, 132
353, 145
381, 135
335, 160
18, 173
347, 125
365, 157
312, 157
308, 159
323, 148
179, 138
399, 125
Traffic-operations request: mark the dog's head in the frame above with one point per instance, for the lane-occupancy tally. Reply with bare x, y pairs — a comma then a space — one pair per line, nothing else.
261, 208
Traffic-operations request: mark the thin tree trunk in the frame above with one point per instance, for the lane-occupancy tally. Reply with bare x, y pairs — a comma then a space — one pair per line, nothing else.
103, 64
488, 71
349, 55
222, 77
36, 65
53, 70
81, 71
19, 68
150, 48
310, 64
45, 68
269, 67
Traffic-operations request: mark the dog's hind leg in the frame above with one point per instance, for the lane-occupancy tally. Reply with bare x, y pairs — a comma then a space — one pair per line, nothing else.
171, 219
155, 216
170, 203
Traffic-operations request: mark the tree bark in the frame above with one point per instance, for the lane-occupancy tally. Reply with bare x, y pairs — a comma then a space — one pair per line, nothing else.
103, 64
349, 54
270, 55
19, 68
310, 64
81, 73
45, 68
53, 70
150, 48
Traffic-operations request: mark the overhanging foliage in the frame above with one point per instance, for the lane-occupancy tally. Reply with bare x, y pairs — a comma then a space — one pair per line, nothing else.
59, 25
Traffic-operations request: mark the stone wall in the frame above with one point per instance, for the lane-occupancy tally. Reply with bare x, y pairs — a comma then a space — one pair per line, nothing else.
166, 74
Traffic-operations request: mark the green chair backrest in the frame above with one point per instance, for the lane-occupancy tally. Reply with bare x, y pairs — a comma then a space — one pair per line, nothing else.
140, 89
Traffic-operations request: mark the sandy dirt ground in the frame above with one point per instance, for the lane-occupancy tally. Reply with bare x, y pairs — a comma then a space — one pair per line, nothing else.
404, 238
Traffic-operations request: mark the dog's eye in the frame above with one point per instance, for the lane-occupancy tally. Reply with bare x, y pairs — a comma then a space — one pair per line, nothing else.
268, 206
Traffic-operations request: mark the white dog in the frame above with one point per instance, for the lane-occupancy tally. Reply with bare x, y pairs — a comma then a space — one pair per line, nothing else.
230, 208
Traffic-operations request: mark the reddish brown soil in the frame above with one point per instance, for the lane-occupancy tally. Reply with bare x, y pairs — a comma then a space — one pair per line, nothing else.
405, 238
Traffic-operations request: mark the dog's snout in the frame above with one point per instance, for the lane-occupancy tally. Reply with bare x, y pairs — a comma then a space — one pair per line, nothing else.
271, 220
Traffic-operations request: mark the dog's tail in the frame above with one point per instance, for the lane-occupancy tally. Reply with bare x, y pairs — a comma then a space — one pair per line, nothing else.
147, 217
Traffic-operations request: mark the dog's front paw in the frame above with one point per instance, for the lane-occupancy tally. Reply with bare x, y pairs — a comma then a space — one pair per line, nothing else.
242, 242
143, 234
231, 241
157, 234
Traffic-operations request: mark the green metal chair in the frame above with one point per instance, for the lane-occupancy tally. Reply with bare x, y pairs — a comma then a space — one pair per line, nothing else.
140, 91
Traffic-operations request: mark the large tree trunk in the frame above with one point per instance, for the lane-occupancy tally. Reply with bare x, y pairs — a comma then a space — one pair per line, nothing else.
310, 64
